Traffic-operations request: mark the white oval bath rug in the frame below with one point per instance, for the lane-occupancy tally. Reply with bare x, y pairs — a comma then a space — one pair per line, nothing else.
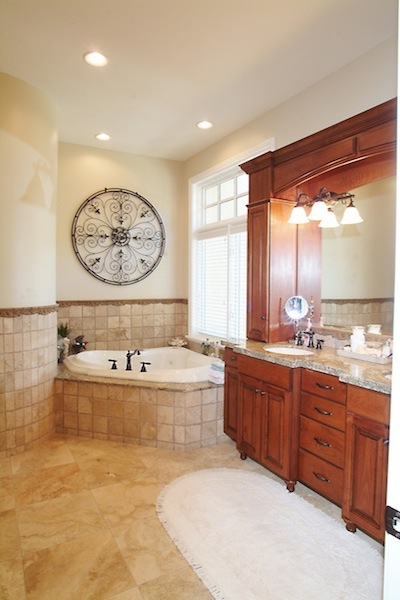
249, 539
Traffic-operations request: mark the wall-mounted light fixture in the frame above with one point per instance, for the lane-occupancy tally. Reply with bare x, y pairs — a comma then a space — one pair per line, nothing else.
321, 209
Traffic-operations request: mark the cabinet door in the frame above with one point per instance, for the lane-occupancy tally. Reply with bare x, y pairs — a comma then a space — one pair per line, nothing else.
248, 438
257, 326
231, 402
275, 433
365, 475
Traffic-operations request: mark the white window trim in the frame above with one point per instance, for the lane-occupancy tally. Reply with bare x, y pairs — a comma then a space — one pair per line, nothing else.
208, 175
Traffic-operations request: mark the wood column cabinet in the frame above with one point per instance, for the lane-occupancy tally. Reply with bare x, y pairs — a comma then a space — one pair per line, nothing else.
367, 438
267, 427
322, 434
231, 393
283, 260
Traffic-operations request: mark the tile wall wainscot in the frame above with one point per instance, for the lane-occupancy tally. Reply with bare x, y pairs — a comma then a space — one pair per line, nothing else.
345, 313
125, 324
172, 416
28, 365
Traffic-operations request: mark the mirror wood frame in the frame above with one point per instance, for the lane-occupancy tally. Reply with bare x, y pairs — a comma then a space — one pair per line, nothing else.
347, 155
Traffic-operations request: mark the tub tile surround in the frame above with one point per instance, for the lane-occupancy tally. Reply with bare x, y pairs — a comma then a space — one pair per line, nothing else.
111, 325
346, 313
173, 416
28, 366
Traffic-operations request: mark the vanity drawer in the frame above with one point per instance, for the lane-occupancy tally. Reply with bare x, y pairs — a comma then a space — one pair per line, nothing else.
322, 384
323, 441
325, 411
321, 476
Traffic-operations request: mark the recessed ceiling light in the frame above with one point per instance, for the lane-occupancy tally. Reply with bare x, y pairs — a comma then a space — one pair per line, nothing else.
205, 125
96, 59
103, 137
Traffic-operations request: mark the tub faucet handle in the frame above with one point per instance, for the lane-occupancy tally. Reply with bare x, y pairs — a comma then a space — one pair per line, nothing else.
114, 363
143, 369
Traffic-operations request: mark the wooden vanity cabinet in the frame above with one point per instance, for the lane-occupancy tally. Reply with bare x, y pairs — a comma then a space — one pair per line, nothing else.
322, 434
367, 438
267, 427
231, 393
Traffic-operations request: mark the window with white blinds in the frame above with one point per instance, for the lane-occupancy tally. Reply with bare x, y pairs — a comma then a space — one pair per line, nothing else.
219, 258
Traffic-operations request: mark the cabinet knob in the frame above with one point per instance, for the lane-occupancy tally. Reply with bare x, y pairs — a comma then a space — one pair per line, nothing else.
386, 442
256, 390
263, 317
263, 393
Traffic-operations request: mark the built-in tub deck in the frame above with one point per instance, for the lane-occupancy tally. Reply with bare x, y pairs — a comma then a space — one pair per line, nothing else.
164, 415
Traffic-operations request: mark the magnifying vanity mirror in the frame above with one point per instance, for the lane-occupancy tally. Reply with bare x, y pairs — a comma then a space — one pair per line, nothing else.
296, 308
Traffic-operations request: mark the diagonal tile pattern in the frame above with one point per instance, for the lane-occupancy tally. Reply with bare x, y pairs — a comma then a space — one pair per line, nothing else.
78, 520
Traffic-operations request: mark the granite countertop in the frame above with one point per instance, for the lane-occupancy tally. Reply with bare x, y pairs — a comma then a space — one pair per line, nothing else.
349, 370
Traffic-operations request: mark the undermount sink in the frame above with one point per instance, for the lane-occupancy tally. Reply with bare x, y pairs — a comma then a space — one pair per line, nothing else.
289, 351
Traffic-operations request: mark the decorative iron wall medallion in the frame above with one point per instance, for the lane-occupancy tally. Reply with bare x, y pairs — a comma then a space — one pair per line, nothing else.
118, 236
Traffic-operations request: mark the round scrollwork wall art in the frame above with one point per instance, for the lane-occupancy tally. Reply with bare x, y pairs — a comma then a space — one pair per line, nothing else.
118, 236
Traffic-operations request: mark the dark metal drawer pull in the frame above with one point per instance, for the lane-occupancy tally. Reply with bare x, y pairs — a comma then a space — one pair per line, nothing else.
321, 443
325, 387
323, 412
321, 477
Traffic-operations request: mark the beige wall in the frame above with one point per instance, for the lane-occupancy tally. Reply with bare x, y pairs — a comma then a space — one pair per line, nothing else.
364, 83
84, 171
28, 159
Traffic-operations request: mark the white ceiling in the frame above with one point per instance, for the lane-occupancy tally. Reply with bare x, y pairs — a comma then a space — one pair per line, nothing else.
173, 63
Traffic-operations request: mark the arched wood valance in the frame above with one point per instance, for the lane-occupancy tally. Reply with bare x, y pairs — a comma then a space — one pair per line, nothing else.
354, 152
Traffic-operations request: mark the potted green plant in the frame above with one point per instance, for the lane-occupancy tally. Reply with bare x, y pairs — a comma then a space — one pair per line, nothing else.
63, 331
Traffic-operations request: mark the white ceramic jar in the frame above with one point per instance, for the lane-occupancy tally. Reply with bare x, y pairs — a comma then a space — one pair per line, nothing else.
357, 339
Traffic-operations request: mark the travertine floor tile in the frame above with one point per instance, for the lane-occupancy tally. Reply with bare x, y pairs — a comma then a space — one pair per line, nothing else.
90, 568
148, 549
132, 594
106, 470
5, 467
50, 454
7, 500
49, 483
182, 584
12, 585
122, 503
82, 514
57, 521
10, 546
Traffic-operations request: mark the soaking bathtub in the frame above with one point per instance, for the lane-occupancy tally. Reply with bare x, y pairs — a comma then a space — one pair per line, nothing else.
169, 364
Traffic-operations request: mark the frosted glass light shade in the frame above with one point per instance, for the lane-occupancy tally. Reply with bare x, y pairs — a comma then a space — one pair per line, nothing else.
351, 216
318, 211
329, 220
298, 216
